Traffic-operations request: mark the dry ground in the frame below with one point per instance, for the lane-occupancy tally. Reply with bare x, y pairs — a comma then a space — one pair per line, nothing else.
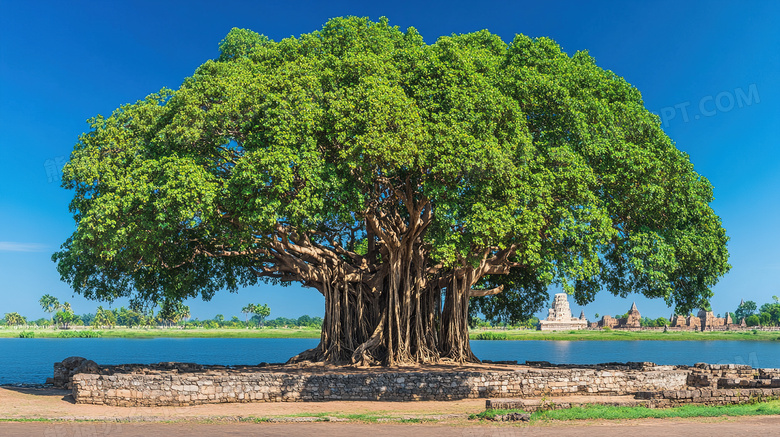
72, 420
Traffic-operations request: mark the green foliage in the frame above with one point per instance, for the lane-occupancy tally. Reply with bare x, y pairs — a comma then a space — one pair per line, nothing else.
172, 311
649, 322
592, 412
303, 321
752, 320
661, 322
87, 319
745, 310
240, 43
65, 316
79, 334
27, 334
770, 313
104, 318
260, 311
128, 317
516, 145
210, 324
489, 335
15, 319
50, 304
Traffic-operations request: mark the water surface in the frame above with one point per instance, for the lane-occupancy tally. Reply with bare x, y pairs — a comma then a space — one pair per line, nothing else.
30, 360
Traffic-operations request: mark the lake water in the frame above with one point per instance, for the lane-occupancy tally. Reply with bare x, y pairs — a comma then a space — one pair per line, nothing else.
30, 361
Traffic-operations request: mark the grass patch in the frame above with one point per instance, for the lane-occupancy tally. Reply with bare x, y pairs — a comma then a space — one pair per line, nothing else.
80, 334
512, 334
604, 412
490, 414
416, 420
142, 333
26, 334
614, 334
360, 417
490, 335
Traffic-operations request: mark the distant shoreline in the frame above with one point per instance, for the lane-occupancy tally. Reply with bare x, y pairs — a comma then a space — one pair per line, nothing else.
488, 334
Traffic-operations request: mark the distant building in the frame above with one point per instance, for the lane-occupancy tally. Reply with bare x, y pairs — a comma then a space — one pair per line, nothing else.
559, 317
632, 321
703, 321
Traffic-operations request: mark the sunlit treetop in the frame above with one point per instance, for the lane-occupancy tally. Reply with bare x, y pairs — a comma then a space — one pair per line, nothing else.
362, 155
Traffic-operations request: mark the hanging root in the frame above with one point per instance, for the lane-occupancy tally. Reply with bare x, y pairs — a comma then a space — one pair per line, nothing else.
312, 355
361, 356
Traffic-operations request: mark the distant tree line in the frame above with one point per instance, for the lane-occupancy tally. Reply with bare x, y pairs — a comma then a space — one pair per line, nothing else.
219, 321
476, 322
168, 314
766, 315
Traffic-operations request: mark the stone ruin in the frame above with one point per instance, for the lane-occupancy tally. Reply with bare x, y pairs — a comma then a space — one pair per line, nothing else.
183, 384
633, 321
64, 371
559, 317
704, 321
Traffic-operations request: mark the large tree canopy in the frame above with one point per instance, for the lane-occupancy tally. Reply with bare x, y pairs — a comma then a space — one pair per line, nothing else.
397, 178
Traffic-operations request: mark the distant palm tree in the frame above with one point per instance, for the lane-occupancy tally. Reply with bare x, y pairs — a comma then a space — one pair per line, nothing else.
15, 319
250, 308
101, 318
50, 304
184, 312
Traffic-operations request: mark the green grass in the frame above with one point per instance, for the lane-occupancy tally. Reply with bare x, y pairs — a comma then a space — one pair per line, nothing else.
490, 335
169, 333
523, 334
80, 334
360, 417
591, 412
517, 334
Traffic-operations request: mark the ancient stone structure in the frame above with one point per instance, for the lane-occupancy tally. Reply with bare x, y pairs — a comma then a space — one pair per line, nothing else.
176, 384
559, 317
633, 321
64, 371
703, 321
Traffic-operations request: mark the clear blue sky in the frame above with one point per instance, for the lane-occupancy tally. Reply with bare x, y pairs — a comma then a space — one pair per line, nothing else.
710, 69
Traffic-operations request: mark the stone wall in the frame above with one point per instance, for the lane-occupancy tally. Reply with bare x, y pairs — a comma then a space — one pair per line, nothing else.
156, 387
180, 384
674, 398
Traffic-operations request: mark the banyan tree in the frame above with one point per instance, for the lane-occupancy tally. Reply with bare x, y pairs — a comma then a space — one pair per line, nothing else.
404, 181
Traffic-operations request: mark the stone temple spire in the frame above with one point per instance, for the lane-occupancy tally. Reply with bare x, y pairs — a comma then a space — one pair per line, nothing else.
633, 307
582, 315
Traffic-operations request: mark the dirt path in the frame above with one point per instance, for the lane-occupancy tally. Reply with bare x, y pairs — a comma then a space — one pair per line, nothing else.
752, 426
77, 420
57, 404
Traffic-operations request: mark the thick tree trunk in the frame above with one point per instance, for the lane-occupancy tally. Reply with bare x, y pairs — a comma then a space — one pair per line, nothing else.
401, 322
386, 307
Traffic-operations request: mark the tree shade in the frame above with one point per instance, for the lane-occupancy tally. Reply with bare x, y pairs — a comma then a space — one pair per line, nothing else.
399, 179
